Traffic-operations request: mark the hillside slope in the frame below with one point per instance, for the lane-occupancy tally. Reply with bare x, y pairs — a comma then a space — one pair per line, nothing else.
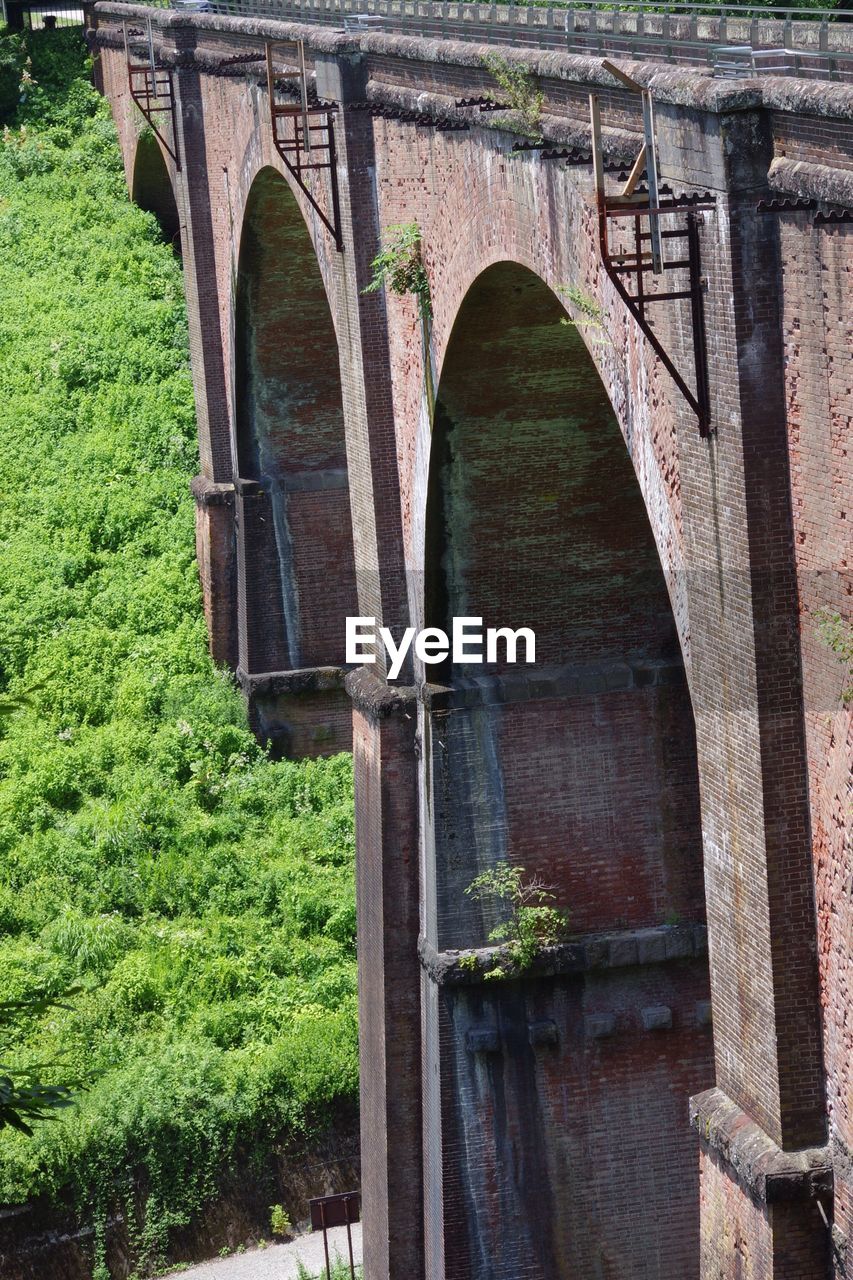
201, 894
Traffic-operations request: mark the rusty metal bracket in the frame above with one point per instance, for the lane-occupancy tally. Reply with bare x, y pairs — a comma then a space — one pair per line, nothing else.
310, 145
646, 256
152, 90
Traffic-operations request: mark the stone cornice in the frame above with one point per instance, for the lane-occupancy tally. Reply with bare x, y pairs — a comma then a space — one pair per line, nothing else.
300, 680
762, 1167
615, 950
680, 86
376, 699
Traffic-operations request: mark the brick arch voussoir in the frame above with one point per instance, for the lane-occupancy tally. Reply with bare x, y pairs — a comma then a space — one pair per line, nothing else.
472, 246
259, 156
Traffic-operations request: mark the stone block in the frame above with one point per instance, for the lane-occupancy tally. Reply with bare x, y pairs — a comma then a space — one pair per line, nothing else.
597, 1026
656, 1017
651, 946
542, 1034
704, 1013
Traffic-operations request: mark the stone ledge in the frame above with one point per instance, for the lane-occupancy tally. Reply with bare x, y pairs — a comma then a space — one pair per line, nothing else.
375, 698
619, 144
760, 1166
300, 680
208, 493
599, 951
811, 181
679, 85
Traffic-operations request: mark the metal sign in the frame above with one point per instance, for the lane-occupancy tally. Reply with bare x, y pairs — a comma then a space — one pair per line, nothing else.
336, 1211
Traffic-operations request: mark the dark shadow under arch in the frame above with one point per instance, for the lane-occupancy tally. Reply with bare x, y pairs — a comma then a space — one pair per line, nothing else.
581, 770
152, 189
297, 566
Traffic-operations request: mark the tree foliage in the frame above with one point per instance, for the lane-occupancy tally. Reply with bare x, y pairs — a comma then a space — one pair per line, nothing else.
532, 920
200, 895
399, 266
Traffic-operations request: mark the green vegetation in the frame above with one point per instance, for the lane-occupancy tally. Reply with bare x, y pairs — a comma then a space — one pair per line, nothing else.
24, 1095
199, 895
533, 921
838, 635
589, 317
400, 266
520, 86
340, 1271
280, 1223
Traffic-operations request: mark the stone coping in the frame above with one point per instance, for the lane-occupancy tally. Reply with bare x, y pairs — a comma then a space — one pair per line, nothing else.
762, 1167
680, 86
300, 680
620, 949
812, 181
376, 699
211, 493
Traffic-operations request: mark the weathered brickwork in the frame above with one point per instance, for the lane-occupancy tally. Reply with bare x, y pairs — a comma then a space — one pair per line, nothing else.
817, 265
681, 750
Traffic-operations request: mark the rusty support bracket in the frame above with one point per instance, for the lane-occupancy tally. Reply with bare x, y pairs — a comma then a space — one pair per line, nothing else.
309, 146
152, 89
646, 259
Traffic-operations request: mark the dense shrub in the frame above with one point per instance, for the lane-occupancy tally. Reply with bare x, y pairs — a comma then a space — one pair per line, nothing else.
201, 894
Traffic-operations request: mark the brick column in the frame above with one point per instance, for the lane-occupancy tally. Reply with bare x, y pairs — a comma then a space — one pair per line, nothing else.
384, 722
748, 701
384, 728
215, 530
363, 340
217, 565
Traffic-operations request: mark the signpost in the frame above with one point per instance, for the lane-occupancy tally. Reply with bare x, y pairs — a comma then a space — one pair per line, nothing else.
335, 1211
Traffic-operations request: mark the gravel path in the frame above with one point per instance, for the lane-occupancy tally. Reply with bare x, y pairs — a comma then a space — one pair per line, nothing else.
278, 1261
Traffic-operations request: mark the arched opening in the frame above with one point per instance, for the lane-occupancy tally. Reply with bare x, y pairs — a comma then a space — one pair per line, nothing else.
153, 191
581, 769
297, 572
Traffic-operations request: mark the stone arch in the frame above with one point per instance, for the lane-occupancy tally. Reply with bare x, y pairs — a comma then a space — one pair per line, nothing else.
582, 769
152, 188
295, 546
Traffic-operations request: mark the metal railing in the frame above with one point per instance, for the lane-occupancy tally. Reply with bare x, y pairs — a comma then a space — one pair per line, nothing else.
43, 14
722, 39
668, 32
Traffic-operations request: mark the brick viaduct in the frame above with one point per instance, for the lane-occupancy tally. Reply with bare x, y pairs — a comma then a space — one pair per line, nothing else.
668, 1095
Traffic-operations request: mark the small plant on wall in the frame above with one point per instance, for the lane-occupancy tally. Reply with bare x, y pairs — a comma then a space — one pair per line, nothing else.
520, 87
588, 315
400, 266
533, 921
838, 635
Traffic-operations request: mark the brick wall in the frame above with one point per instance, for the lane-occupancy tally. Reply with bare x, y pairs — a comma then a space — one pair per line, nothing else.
750, 530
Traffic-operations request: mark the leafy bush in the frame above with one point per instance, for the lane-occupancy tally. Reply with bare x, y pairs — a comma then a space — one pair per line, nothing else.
532, 922
399, 266
521, 88
200, 895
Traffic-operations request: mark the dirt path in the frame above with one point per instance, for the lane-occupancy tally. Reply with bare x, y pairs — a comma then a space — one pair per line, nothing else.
278, 1261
